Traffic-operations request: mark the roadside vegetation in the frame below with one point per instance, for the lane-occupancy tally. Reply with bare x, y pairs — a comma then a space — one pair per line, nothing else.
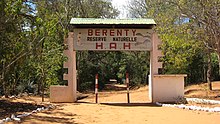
32, 34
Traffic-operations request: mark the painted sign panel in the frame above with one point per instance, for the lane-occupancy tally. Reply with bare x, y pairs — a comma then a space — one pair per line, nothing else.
112, 39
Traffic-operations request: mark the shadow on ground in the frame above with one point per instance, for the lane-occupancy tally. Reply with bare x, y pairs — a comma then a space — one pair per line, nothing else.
51, 116
131, 104
7, 108
121, 104
193, 90
52, 119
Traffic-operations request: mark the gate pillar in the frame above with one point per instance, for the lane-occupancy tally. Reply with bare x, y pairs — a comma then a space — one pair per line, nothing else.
155, 53
163, 88
67, 93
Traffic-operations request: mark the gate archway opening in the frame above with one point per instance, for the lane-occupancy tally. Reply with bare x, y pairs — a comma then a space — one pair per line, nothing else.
112, 76
117, 35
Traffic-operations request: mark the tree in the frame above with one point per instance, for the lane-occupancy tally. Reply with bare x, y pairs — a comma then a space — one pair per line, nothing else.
53, 23
204, 15
181, 32
31, 36
14, 44
137, 8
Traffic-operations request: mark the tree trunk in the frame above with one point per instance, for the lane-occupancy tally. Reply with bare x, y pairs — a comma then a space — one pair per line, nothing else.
218, 63
204, 73
42, 87
42, 91
209, 71
5, 90
38, 87
78, 69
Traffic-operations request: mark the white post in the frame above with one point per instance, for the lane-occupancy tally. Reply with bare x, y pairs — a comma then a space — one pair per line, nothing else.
96, 88
127, 82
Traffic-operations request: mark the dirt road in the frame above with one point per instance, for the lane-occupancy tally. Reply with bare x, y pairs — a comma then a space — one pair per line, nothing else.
114, 110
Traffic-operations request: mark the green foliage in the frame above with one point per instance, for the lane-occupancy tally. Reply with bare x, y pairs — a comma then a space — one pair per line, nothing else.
196, 69
137, 65
215, 67
13, 43
32, 34
31, 40
112, 65
179, 47
187, 33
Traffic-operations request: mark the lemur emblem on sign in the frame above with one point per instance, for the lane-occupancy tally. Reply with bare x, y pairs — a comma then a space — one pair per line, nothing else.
146, 37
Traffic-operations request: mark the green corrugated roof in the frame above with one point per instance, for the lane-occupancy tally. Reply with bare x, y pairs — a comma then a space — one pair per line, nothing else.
133, 21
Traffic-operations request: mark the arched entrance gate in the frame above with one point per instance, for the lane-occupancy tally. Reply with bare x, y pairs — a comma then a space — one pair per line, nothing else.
117, 35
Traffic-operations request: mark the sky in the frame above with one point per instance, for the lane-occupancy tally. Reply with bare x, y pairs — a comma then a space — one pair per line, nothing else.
120, 5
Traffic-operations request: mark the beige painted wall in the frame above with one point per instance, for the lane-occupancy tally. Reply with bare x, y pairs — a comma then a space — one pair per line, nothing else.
60, 94
167, 88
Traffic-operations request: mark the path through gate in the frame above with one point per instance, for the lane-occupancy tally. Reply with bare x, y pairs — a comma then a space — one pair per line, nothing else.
126, 82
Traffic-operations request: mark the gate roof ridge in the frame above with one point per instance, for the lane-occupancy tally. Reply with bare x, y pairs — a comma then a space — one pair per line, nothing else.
139, 23
98, 21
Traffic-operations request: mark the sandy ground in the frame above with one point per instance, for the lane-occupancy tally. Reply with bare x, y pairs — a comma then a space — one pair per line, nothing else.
112, 109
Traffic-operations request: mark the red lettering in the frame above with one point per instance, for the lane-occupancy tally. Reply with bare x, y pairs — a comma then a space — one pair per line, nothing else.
134, 32
99, 46
127, 45
104, 32
112, 33
97, 32
126, 32
119, 32
90, 32
113, 46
